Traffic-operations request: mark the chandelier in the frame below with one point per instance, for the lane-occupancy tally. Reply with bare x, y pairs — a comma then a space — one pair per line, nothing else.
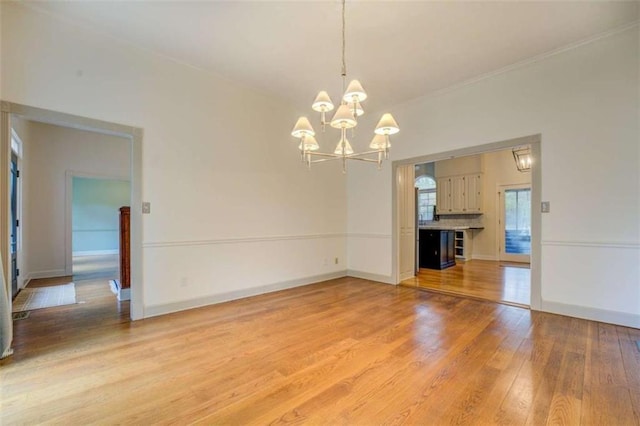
345, 117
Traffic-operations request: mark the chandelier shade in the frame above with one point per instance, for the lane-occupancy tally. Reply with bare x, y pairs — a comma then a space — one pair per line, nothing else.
345, 117
302, 128
309, 143
343, 148
354, 93
387, 125
356, 109
322, 102
379, 142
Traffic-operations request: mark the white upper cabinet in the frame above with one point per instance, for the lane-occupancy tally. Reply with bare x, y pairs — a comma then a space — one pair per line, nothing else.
473, 193
459, 194
443, 196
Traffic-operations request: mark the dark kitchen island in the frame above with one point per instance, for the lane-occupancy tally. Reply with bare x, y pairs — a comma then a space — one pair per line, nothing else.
437, 248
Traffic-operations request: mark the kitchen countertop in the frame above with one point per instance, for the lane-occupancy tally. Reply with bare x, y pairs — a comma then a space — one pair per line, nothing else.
452, 228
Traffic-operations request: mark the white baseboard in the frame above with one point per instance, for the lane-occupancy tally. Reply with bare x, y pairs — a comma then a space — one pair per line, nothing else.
594, 314
95, 252
124, 294
483, 257
121, 293
155, 310
25, 282
52, 273
369, 276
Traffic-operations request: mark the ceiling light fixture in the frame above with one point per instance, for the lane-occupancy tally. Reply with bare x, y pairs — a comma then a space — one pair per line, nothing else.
522, 156
345, 117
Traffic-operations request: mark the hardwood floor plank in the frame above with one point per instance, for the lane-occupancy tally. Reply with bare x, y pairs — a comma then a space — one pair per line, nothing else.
346, 351
566, 401
481, 279
631, 359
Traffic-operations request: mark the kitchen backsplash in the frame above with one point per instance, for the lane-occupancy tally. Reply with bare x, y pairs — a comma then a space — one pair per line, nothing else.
474, 221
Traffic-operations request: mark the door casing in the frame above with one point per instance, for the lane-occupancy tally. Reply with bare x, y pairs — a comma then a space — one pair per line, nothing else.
536, 190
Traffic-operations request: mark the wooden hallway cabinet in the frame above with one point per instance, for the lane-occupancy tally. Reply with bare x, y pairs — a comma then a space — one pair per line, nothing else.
125, 247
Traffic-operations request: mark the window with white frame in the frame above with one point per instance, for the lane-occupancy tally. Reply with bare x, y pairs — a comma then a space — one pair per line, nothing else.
16, 143
426, 198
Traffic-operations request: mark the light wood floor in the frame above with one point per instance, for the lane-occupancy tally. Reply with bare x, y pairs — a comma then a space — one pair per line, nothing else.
487, 280
94, 267
346, 351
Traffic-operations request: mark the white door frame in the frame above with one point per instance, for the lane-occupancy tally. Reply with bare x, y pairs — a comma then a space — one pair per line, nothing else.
500, 223
133, 134
405, 181
21, 279
536, 190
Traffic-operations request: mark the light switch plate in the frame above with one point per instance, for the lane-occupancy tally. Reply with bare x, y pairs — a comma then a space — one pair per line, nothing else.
146, 207
545, 207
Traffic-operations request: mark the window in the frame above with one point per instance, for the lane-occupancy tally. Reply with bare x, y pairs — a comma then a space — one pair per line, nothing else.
16, 143
426, 198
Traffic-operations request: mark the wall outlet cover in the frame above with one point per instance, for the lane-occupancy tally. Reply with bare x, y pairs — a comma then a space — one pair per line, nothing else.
146, 207
545, 206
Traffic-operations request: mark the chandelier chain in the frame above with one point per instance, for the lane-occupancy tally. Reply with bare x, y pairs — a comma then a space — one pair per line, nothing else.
344, 61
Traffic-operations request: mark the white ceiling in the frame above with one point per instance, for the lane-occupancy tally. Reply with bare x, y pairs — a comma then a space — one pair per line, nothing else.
398, 49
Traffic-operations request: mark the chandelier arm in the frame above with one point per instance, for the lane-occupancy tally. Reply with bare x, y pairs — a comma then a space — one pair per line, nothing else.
325, 154
330, 157
359, 154
322, 160
355, 156
368, 160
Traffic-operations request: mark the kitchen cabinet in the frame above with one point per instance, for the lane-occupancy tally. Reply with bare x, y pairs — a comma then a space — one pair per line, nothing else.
473, 193
463, 244
443, 196
459, 194
437, 248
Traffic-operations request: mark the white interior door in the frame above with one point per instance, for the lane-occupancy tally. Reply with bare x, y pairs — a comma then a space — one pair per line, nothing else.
405, 179
514, 223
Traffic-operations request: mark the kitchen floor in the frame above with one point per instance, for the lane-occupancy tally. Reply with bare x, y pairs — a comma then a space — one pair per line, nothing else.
482, 279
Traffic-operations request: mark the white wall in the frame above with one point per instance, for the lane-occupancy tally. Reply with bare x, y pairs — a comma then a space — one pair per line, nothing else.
49, 152
95, 214
459, 166
232, 210
585, 104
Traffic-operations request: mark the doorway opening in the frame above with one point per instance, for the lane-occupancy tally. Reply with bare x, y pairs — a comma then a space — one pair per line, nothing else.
488, 233
96, 201
132, 139
15, 199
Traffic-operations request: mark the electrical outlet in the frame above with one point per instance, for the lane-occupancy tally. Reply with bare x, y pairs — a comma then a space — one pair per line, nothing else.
545, 206
146, 207
336, 261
